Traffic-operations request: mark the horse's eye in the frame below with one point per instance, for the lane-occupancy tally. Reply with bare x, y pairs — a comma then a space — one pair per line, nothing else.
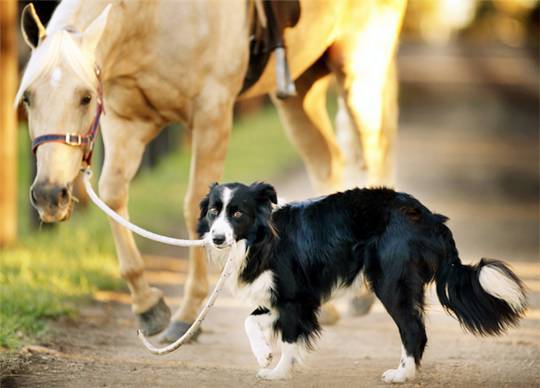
26, 99
213, 212
237, 214
86, 100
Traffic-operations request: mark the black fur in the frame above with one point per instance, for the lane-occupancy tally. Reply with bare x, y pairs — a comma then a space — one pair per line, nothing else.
314, 246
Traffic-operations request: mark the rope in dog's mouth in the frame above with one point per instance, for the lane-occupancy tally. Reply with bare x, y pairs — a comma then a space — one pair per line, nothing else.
87, 173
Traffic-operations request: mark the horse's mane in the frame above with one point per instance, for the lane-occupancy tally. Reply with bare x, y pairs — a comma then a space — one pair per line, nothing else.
59, 47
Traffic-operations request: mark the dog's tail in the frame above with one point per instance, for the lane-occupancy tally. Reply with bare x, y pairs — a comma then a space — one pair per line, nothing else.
486, 298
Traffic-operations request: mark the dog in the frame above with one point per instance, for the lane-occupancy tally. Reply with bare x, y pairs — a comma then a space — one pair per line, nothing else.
290, 259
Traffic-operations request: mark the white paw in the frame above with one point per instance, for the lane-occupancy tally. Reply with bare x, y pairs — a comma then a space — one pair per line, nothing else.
272, 374
396, 376
264, 357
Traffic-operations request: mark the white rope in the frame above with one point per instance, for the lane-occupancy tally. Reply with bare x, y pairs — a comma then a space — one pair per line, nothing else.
227, 270
134, 228
166, 240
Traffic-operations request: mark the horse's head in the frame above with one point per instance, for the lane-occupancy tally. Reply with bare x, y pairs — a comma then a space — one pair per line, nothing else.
59, 90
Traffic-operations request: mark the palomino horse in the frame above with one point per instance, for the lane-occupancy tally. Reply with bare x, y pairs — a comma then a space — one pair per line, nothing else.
169, 61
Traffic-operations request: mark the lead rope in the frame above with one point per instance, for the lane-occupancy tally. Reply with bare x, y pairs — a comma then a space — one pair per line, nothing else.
227, 270
195, 326
134, 228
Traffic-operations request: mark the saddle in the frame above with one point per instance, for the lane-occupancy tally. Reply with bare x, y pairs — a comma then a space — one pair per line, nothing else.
269, 18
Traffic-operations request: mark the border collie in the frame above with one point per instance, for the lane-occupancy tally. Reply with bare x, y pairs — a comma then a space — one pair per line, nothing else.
289, 260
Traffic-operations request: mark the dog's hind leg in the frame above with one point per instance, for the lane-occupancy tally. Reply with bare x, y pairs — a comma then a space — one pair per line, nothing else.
257, 326
403, 298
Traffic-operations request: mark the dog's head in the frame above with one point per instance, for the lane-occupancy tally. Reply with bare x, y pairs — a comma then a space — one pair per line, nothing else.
234, 212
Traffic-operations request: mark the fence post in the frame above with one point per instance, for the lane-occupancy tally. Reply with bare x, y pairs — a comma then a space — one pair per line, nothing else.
8, 122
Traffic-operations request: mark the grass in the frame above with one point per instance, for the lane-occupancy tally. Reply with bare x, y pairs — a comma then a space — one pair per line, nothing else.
50, 270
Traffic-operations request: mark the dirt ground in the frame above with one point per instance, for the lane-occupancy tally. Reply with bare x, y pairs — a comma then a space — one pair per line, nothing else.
467, 151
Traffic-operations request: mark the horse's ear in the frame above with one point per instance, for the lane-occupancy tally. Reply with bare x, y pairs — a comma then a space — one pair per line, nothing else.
32, 29
92, 34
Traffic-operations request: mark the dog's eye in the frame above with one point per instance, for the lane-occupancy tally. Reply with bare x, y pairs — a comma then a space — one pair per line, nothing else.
213, 212
237, 214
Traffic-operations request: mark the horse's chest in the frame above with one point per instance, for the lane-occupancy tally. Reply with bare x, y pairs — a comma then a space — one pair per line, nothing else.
257, 292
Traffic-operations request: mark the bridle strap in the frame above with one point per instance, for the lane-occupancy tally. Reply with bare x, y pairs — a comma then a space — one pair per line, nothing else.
86, 141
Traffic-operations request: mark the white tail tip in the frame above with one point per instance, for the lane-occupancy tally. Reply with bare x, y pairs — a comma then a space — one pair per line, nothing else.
496, 282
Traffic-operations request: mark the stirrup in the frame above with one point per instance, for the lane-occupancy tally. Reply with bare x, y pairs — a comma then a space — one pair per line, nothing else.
284, 83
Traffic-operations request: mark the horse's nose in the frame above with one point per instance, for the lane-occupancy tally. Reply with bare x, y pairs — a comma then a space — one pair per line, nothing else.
43, 194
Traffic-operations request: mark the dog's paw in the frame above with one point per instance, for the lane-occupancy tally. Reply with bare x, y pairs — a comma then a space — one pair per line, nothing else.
264, 357
272, 374
396, 376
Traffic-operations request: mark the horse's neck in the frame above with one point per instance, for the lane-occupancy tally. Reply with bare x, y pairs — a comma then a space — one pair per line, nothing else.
146, 42
78, 14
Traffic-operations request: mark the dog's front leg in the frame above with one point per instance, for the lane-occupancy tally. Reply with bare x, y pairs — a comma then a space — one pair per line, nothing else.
289, 355
256, 325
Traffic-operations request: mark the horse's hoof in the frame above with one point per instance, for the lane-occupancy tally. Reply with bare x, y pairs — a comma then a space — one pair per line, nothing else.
154, 320
361, 304
328, 315
176, 330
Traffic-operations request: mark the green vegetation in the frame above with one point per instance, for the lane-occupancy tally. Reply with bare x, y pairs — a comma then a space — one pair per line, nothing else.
50, 269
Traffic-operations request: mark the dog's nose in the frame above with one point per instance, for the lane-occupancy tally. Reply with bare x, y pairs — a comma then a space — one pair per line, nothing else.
218, 239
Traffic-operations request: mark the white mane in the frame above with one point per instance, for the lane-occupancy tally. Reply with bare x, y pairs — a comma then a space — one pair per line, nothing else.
59, 47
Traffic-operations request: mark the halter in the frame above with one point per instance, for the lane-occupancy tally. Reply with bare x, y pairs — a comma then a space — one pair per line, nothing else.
86, 141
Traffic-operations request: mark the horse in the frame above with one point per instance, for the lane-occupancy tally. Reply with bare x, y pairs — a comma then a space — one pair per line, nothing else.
152, 63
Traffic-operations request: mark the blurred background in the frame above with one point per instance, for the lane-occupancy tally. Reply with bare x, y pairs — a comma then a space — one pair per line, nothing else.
468, 147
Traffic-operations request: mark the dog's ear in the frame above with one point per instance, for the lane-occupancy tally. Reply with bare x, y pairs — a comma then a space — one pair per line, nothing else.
264, 192
202, 225
203, 205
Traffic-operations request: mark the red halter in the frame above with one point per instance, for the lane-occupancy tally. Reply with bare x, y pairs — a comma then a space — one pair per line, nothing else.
74, 139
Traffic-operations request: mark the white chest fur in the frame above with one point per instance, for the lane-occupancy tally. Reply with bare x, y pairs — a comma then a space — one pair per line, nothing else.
256, 293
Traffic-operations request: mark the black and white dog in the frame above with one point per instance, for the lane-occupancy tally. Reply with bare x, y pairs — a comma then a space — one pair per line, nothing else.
289, 260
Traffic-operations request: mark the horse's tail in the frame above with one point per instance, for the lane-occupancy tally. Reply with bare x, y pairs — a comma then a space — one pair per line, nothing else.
486, 298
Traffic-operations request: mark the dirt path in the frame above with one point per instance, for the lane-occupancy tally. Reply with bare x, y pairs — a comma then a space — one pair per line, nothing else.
101, 349
461, 153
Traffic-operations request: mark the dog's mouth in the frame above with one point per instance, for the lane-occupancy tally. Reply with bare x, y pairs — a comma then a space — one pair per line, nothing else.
222, 245
219, 242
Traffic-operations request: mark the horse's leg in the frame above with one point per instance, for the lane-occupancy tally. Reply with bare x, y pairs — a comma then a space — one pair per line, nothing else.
124, 144
212, 123
349, 140
308, 126
363, 61
366, 123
